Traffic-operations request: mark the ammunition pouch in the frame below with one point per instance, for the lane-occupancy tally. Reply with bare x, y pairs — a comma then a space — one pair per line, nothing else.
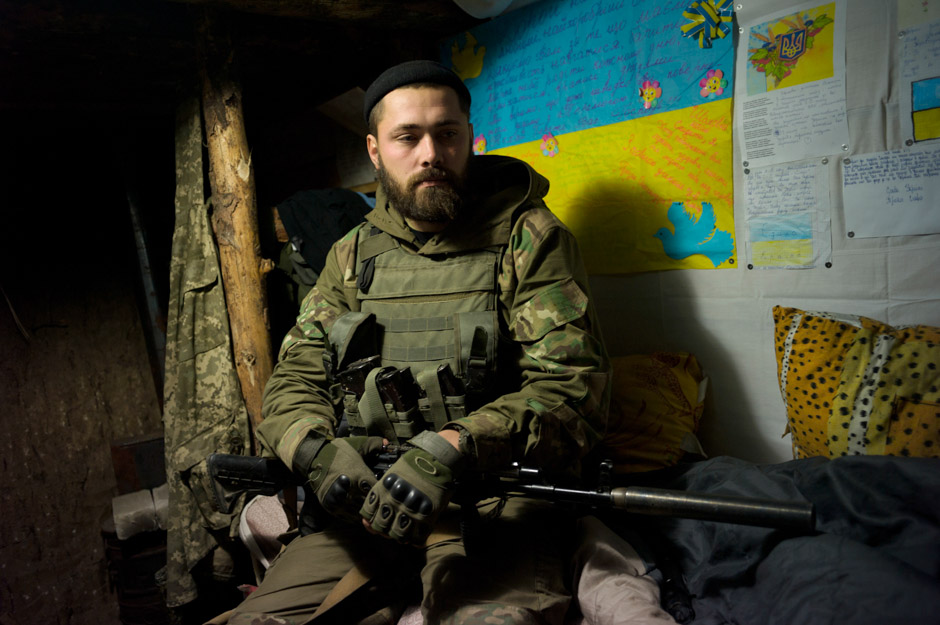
380, 417
376, 413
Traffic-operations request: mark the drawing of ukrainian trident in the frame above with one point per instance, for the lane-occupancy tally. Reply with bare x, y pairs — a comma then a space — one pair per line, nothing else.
792, 45
777, 56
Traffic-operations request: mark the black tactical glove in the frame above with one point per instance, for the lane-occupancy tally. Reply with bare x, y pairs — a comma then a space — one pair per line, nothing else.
405, 503
340, 476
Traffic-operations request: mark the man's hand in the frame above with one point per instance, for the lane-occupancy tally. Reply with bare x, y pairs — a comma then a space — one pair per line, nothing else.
340, 476
405, 503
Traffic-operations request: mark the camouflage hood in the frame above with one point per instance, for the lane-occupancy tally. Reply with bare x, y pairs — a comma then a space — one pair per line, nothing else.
501, 186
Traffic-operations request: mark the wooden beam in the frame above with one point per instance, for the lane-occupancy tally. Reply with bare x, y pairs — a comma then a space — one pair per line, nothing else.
418, 15
234, 213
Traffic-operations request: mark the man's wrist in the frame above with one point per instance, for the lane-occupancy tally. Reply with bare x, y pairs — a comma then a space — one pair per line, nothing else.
484, 440
461, 438
452, 437
440, 448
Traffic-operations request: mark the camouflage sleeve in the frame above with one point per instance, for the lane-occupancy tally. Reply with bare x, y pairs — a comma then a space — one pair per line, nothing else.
560, 410
297, 396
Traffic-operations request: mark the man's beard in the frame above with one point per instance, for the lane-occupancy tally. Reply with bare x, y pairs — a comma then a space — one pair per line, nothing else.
436, 203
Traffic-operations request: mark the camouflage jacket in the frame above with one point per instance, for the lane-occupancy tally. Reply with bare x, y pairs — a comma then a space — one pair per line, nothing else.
549, 331
204, 411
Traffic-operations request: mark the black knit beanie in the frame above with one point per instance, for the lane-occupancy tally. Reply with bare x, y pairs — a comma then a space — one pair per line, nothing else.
411, 73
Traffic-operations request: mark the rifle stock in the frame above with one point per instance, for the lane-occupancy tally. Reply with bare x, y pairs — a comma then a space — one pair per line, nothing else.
233, 475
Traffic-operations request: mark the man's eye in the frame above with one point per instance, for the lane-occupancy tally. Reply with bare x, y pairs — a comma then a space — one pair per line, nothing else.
406, 138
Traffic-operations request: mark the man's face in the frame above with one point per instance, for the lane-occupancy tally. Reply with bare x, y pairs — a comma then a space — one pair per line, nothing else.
421, 153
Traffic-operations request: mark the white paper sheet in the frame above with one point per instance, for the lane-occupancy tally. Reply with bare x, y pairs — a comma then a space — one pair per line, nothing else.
919, 59
787, 214
914, 12
892, 193
801, 114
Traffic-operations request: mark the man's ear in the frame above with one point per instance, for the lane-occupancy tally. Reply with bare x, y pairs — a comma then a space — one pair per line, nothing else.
372, 145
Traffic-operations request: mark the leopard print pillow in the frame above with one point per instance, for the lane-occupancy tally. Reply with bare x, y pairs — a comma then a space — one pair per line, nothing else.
853, 385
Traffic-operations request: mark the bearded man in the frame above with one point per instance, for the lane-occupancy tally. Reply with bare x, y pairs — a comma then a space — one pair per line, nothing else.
464, 285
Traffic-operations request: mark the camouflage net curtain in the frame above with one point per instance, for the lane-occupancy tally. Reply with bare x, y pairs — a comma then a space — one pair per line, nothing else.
204, 410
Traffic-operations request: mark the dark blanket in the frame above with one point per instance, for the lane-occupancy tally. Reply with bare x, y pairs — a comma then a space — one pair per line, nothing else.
875, 558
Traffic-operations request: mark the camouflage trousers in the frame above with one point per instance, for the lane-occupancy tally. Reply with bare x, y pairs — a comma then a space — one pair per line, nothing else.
512, 570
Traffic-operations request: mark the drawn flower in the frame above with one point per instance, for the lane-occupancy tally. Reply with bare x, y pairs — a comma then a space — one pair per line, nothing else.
713, 84
650, 92
549, 145
479, 145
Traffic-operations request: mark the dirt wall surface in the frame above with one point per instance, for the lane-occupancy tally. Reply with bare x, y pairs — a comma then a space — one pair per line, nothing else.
81, 380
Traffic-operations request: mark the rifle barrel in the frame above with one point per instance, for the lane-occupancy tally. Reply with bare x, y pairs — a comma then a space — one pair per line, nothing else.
711, 507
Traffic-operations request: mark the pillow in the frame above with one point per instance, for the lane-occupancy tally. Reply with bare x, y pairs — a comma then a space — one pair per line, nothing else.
853, 385
656, 403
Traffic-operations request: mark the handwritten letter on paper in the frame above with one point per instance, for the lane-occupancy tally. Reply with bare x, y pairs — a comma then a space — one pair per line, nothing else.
781, 212
892, 193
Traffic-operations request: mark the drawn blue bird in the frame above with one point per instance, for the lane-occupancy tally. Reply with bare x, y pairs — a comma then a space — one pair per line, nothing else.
695, 236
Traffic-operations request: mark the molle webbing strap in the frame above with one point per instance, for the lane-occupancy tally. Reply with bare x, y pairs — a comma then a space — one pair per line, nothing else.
477, 336
433, 410
418, 353
456, 407
407, 424
392, 351
418, 324
372, 409
353, 417
477, 333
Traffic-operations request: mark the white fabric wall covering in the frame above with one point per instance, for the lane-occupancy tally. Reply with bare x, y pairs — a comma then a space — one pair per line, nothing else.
724, 316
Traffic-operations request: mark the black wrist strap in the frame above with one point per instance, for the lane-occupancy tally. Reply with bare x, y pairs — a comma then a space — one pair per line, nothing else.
306, 451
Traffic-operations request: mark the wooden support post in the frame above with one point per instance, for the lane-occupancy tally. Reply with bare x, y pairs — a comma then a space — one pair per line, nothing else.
235, 213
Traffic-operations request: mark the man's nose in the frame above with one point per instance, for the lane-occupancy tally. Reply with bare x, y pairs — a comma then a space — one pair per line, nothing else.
431, 152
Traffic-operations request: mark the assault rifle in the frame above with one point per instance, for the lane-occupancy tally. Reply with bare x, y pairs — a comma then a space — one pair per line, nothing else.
234, 474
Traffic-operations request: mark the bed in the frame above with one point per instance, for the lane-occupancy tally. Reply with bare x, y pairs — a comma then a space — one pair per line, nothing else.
863, 413
875, 557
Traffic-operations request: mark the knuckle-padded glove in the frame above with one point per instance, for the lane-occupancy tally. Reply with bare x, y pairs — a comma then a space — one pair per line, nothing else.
405, 503
340, 477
